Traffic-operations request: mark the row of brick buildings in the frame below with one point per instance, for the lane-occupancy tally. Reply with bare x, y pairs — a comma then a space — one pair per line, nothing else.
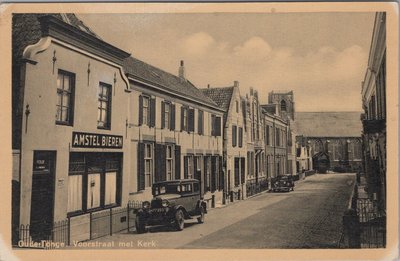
94, 127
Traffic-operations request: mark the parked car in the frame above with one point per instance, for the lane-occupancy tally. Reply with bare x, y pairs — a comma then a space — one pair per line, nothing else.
283, 183
173, 202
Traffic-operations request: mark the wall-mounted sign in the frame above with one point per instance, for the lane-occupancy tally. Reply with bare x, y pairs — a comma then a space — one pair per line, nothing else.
93, 140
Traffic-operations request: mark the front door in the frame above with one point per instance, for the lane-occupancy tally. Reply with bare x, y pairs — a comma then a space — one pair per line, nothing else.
42, 201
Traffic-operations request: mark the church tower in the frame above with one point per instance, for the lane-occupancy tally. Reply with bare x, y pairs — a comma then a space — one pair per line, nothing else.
284, 101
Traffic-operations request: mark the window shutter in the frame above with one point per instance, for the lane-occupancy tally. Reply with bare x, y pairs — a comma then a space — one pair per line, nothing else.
177, 162
205, 160
163, 115
140, 110
237, 174
244, 109
172, 124
182, 109
221, 174
240, 137
234, 136
200, 123
213, 173
152, 113
242, 169
213, 125
191, 120
140, 176
218, 126
160, 165
185, 167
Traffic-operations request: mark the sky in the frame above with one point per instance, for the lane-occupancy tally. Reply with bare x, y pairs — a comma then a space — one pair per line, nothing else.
322, 57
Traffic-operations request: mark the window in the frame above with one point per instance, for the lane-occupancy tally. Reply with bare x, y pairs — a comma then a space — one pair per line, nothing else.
65, 97
169, 162
237, 106
148, 164
184, 118
283, 105
189, 167
92, 181
234, 136
240, 137
147, 111
207, 163
104, 106
167, 114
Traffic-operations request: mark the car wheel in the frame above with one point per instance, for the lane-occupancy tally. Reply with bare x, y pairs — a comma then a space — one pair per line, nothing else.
179, 220
201, 218
140, 225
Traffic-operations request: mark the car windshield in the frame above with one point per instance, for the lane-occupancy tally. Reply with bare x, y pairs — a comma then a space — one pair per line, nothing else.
166, 189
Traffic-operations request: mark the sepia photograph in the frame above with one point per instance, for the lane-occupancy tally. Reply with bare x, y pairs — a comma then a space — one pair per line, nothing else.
206, 129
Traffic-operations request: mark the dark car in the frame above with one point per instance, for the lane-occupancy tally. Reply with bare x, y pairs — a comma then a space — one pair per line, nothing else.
283, 183
173, 202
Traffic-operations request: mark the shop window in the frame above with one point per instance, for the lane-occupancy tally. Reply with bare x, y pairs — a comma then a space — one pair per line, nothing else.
104, 106
93, 182
93, 191
65, 97
207, 162
111, 186
74, 193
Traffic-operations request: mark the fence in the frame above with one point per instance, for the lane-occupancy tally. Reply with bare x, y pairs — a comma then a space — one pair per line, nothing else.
364, 225
100, 224
253, 187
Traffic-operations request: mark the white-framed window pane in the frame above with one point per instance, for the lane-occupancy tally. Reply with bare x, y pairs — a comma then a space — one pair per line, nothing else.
59, 81
93, 191
66, 83
111, 188
64, 114
58, 113
65, 100
74, 193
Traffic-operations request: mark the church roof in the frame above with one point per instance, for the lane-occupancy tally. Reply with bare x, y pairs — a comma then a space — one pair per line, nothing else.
328, 124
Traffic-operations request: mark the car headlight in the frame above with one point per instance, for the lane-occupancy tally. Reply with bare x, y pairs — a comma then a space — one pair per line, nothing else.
165, 203
146, 204
276, 183
284, 183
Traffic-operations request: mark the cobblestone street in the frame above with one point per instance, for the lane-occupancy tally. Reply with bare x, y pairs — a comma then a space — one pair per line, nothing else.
308, 217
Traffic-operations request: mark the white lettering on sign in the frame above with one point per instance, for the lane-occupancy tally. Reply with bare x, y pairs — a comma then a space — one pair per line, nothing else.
91, 140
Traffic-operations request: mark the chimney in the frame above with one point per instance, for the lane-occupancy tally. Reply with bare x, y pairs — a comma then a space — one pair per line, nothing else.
208, 86
182, 71
235, 84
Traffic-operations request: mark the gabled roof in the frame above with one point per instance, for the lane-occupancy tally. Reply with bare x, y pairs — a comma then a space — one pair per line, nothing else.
328, 124
26, 29
221, 96
153, 75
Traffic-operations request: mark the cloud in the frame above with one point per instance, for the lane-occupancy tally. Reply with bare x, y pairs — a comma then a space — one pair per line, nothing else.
197, 44
254, 49
322, 75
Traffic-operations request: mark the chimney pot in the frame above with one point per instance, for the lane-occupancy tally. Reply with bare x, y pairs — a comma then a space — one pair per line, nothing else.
208, 86
236, 84
182, 73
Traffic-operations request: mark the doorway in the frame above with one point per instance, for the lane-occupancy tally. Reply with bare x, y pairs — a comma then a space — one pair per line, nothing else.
42, 200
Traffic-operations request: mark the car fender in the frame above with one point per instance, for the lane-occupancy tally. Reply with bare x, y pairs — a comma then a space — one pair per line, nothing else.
180, 207
203, 204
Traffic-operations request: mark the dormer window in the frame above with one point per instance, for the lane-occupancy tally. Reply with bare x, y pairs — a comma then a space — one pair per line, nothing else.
283, 105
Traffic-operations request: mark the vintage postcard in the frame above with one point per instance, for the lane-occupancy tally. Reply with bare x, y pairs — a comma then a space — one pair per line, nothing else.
205, 131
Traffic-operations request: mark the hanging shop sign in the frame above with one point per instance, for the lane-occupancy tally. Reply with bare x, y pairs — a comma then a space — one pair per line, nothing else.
93, 140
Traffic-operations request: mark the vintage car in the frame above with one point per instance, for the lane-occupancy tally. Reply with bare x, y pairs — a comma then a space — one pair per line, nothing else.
283, 183
173, 202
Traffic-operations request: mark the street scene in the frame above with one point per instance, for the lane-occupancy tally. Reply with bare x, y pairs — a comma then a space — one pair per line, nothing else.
308, 217
199, 131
